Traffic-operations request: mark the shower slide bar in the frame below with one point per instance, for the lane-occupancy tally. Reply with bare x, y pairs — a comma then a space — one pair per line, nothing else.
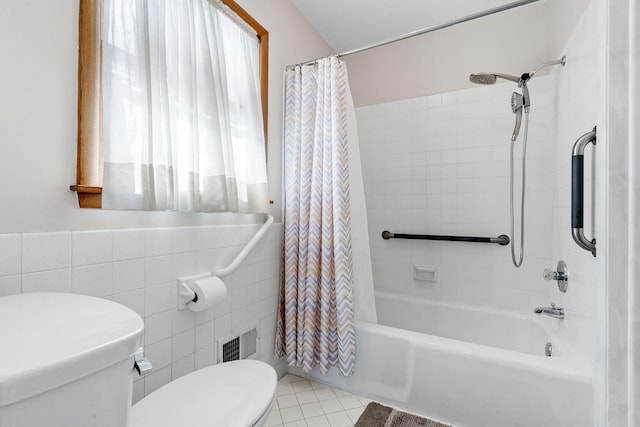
577, 191
501, 240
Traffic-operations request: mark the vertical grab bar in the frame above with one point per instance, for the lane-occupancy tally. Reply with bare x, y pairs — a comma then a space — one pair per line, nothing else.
577, 191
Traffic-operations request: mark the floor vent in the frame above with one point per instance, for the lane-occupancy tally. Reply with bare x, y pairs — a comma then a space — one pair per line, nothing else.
243, 346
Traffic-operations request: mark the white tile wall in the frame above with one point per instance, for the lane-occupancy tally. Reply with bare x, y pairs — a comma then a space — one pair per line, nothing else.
582, 105
45, 251
439, 164
139, 268
10, 254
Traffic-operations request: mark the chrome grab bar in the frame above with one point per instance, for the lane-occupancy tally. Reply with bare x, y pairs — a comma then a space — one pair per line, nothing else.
500, 240
577, 191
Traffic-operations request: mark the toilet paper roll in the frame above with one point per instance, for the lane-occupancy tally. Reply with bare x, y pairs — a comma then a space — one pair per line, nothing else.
209, 291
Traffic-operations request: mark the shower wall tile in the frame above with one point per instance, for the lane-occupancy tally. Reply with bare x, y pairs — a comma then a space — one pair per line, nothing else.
139, 268
450, 175
455, 171
582, 89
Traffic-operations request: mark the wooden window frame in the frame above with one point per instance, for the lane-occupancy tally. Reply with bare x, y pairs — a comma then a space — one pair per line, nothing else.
90, 132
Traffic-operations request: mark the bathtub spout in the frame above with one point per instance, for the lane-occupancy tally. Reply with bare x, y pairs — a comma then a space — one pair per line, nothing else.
553, 311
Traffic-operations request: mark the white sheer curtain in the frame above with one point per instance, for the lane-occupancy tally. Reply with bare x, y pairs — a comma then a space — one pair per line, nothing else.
183, 125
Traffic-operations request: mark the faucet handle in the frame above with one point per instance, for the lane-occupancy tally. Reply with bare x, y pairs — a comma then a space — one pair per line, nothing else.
561, 276
553, 305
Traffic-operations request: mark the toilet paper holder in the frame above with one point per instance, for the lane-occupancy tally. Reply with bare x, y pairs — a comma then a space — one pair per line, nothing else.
185, 293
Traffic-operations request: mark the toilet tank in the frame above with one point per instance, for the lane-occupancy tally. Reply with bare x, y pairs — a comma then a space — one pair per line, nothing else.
66, 360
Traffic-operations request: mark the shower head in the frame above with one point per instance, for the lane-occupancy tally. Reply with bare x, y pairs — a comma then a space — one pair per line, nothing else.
483, 79
517, 104
491, 78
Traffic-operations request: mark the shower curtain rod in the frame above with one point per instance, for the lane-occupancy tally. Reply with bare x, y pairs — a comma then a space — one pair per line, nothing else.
451, 23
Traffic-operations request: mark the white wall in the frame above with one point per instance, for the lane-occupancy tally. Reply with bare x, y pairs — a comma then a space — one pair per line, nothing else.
38, 116
512, 42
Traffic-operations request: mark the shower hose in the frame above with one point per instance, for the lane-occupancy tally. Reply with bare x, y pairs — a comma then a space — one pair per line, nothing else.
518, 263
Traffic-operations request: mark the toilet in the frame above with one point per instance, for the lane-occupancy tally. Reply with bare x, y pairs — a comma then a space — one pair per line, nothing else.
67, 360
231, 394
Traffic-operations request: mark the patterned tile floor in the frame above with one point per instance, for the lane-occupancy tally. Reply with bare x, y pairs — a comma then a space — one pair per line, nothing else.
305, 403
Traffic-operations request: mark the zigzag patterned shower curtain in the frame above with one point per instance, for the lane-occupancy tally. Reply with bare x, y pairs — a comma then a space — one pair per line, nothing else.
315, 324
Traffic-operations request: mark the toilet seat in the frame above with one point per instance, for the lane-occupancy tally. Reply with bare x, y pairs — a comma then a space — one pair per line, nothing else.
238, 393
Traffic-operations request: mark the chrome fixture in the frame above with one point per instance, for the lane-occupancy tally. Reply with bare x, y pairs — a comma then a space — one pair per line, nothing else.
548, 349
519, 102
141, 364
577, 191
561, 275
553, 311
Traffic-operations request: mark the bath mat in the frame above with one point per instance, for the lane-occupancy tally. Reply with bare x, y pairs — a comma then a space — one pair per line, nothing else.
377, 415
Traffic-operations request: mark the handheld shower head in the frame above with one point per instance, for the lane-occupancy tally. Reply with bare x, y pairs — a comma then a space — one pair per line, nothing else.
517, 104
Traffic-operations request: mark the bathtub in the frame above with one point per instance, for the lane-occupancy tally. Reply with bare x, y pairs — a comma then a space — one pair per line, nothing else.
467, 366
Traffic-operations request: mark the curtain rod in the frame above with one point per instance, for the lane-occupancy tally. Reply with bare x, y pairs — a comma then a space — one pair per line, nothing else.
411, 34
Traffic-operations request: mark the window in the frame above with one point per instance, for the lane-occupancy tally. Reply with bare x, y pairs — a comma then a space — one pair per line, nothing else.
96, 93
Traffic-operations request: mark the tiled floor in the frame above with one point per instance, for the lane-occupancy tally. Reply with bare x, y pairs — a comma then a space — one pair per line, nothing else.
304, 403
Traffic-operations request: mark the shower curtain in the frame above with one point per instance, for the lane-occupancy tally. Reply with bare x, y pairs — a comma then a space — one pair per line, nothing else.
315, 323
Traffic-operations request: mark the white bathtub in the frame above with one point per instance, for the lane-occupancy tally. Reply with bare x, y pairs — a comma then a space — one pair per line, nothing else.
467, 366
508, 330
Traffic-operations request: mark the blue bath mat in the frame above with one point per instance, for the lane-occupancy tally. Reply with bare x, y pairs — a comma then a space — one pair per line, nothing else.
377, 415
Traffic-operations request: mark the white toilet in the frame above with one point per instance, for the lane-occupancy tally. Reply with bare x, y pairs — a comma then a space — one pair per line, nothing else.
232, 394
66, 360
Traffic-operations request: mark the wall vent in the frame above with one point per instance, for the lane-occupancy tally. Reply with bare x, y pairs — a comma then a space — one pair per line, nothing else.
243, 346
231, 350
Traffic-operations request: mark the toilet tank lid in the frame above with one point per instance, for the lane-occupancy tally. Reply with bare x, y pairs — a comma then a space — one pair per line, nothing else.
49, 339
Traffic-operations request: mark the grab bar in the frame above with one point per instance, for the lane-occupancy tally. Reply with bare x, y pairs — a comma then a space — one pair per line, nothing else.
268, 220
501, 240
577, 191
